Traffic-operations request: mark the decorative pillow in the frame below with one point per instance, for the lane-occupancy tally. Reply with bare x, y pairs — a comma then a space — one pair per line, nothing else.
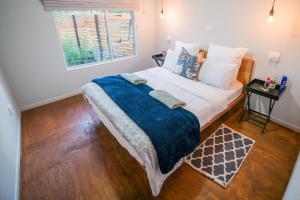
171, 60
226, 55
217, 74
190, 66
192, 48
201, 57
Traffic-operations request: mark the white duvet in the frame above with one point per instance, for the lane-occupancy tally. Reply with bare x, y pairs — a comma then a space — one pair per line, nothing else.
203, 100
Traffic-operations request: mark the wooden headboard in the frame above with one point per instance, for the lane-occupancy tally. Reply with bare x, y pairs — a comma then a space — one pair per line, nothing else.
246, 69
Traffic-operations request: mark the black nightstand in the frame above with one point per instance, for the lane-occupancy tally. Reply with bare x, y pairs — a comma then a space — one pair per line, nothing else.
273, 95
159, 59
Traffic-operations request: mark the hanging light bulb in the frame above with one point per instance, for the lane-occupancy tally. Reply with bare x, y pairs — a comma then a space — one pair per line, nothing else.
270, 18
162, 16
271, 14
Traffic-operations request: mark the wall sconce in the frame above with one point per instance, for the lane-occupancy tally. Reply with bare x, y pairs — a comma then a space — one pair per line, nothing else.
271, 14
162, 16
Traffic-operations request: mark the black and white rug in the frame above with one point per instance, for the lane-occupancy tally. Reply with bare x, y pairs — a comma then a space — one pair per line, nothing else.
221, 155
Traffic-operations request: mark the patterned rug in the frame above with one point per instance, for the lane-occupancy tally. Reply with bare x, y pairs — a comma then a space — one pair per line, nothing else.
221, 155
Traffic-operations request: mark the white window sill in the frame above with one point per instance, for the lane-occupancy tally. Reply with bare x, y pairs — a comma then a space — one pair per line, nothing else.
97, 63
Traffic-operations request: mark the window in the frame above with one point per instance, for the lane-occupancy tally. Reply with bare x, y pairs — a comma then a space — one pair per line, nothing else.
97, 36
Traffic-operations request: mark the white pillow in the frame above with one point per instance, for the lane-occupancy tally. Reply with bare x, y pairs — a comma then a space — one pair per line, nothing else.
171, 60
192, 48
218, 74
227, 55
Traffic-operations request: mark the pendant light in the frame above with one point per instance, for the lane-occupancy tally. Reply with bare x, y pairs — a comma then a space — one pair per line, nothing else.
162, 16
271, 14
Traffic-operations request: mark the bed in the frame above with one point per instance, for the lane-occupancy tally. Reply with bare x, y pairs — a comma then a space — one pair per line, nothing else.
207, 102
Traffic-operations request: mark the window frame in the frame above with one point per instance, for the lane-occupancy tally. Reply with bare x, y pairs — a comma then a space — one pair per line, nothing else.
98, 63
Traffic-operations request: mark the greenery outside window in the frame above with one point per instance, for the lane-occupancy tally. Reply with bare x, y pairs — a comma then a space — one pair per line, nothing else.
95, 36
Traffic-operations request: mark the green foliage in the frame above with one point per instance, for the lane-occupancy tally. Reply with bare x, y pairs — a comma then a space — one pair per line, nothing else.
75, 55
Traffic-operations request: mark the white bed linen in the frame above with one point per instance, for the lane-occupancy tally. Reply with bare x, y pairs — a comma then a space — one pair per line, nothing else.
234, 91
203, 100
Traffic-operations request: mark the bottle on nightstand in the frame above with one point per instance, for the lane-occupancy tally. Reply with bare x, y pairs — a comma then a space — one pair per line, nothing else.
283, 83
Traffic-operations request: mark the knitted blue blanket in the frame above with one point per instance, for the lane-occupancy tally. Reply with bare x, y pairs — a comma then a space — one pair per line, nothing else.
174, 133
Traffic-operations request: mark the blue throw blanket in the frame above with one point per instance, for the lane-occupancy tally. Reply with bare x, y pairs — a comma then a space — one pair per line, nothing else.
174, 133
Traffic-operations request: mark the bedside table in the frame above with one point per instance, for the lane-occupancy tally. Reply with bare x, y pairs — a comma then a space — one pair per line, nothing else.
159, 59
273, 95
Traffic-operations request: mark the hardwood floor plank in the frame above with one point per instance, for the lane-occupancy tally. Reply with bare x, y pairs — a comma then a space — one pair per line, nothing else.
68, 154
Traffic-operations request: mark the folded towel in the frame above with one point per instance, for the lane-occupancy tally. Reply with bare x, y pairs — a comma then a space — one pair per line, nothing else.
134, 79
167, 99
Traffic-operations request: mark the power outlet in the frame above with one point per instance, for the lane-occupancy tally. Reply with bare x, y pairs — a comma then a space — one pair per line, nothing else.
274, 57
169, 38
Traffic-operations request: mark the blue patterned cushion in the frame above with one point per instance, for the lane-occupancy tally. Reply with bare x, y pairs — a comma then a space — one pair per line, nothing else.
189, 63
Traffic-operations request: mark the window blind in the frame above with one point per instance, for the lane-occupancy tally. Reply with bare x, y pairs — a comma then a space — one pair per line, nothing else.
51, 5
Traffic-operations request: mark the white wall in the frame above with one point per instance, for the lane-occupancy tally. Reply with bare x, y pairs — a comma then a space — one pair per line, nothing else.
33, 60
9, 143
243, 23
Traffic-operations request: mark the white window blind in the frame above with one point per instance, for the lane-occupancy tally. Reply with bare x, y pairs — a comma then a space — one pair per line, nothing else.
52, 5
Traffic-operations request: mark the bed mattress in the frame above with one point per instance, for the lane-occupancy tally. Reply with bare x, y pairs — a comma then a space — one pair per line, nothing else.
204, 100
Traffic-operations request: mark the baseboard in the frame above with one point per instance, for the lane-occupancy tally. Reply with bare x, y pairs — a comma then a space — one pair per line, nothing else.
51, 100
286, 124
18, 167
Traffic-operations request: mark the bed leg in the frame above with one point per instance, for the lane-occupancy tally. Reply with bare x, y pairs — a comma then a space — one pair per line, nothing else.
85, 98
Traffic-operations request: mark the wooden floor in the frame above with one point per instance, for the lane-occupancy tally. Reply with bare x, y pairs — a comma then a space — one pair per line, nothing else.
68, 154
